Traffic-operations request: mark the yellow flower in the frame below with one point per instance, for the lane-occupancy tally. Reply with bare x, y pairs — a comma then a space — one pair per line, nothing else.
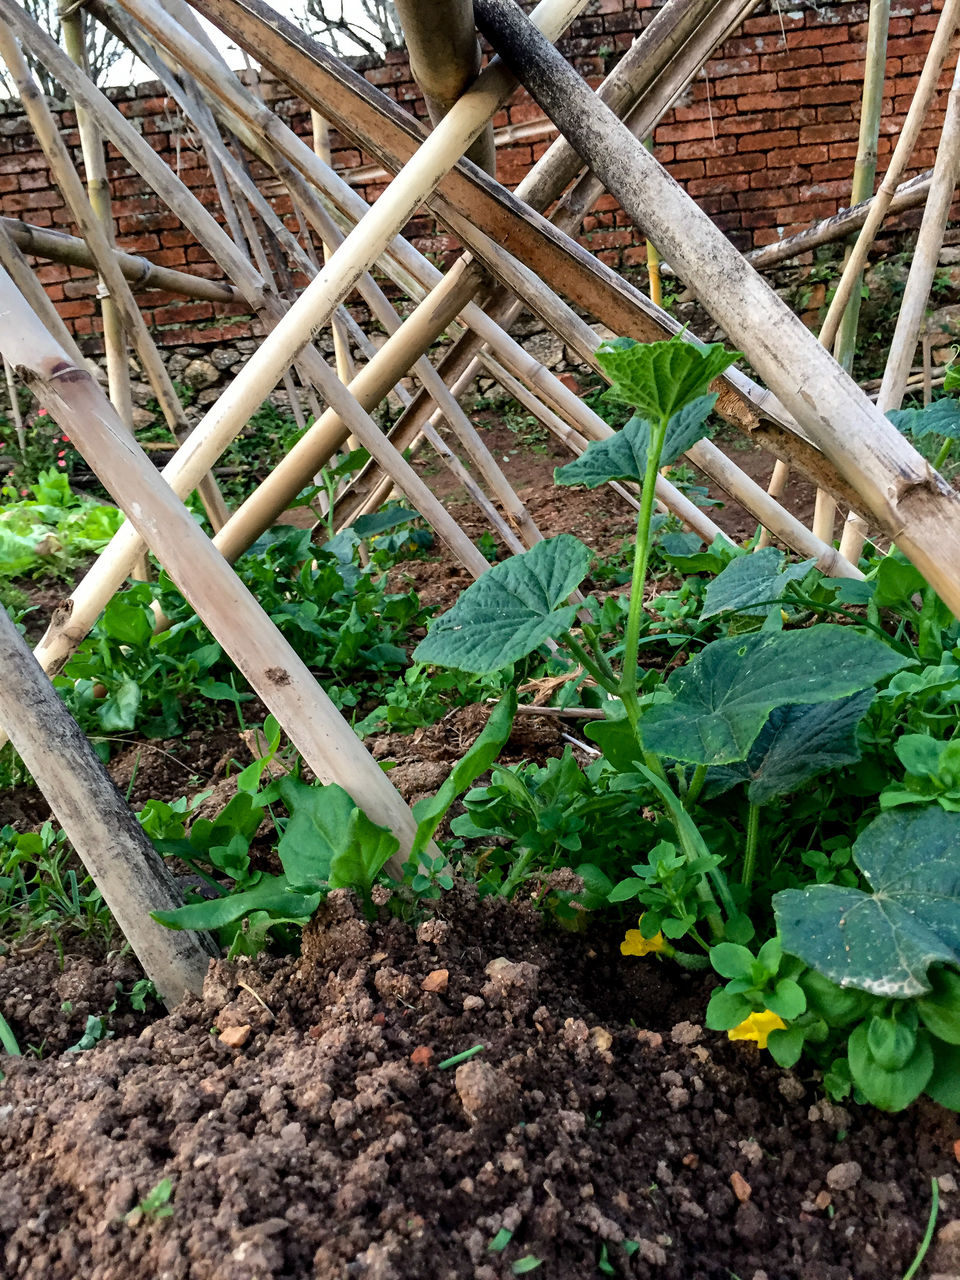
758, 1027
635, 944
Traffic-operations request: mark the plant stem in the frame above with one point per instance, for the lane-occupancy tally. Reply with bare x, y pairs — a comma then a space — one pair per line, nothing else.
641, 555
513, 880
750, 853
7, 1039
696, 785
587, 662
942, 454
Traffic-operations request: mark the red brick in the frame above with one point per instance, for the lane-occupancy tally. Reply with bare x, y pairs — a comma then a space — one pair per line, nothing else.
704, 149
817, 95
737, 85
682, 132
805, 77
768, 199
769, 141
791, 59
718, 183
734, 164
139, 244
767, 101
741, 124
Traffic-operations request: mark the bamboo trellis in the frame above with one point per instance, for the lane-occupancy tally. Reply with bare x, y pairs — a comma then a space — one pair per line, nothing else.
810, 414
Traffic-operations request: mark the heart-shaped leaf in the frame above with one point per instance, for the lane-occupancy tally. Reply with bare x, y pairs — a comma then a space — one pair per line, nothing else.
796, 744
329, 841
751, 584
885, 941
724, 696
659, 378
623, 456
941, 418
513, 608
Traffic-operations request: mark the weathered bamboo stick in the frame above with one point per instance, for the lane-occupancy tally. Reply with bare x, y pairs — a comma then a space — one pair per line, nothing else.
15, 413
864, 176
15, 265
341, 347
273, 669
110, 842
98, 193
916, 293
900, 487
91, 227
57, 246
445, 58
922, 98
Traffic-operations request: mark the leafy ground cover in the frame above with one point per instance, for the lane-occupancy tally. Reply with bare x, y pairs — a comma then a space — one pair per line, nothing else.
746, 857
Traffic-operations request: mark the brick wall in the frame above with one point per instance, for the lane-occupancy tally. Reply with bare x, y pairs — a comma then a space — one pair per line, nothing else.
764, 140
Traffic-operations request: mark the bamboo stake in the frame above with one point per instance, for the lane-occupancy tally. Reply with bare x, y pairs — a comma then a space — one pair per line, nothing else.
341, 347
87, 220
922, 98
916, 292
899, 486
444, 59
15, 409
57, 246
837, 227
15, 264
98, 193
864, 176
122, 861
274, 671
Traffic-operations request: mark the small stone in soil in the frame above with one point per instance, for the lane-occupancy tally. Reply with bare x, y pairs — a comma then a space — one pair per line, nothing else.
436, 982
235, 1037
845, 1176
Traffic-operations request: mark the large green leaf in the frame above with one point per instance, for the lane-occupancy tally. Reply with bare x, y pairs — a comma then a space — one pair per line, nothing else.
885, 941
623, 456
724, 696
272, 894
430, 810
796, 744
512, 609
751, 584
329, 840
941, 418
659, 378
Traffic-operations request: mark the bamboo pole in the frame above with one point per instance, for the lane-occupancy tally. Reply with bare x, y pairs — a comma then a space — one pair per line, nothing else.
15, 264
341, 346
112, 846
98, 193
864, 176
57, 246
15, 413
92, 229
916, 292
902, 490
922, 98
837, 227
239, 624
444, 59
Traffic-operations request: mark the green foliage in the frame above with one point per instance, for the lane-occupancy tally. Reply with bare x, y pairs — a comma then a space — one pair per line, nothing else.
623, 456
154, 1206
717, 704
884, 941
53, 531
657, 379
44, 889
511, 610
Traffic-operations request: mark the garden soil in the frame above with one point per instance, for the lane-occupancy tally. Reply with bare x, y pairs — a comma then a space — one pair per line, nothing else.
311, 1125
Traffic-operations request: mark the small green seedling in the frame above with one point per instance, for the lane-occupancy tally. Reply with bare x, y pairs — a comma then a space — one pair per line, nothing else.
154, 1206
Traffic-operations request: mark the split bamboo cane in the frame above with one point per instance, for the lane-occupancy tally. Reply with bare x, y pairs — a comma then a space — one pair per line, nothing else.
110, 842
900, 487
864, 176
273, 669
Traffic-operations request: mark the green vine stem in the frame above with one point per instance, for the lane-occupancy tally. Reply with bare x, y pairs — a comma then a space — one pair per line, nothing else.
696, 785
750, 853
942, 454
589, 665
641, 556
